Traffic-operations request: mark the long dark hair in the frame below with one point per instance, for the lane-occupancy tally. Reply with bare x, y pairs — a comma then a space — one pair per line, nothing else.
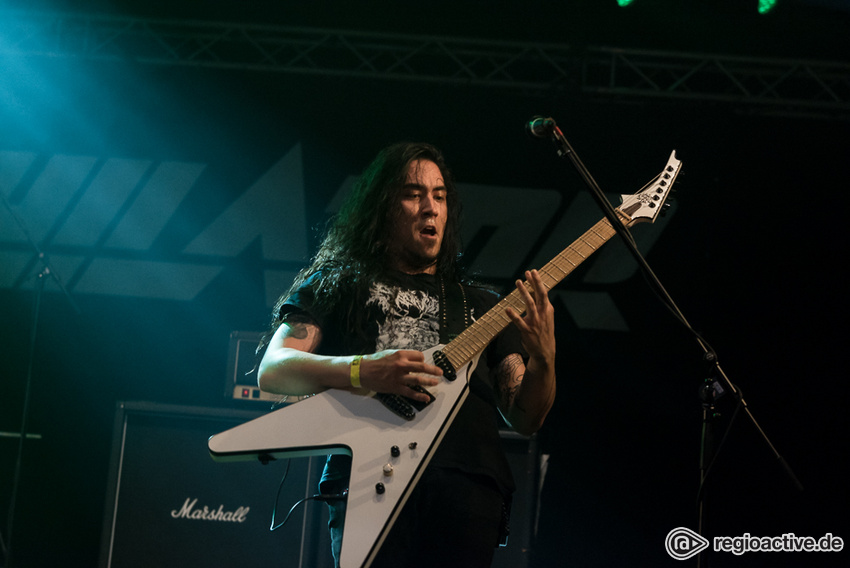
355, 250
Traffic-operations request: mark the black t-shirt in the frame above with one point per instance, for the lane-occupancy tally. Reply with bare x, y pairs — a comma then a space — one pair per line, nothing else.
402, 311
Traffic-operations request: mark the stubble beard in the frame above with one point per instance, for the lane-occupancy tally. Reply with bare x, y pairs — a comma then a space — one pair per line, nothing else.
412, 262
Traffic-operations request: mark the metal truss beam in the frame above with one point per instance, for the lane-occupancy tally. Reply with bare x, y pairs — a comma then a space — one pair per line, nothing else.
779, 86
289, 50
757, 85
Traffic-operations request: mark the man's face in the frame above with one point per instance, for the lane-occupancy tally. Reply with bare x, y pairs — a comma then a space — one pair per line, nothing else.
421, 222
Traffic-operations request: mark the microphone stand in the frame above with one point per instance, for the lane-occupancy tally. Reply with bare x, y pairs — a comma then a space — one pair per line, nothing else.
43, 273
712, 388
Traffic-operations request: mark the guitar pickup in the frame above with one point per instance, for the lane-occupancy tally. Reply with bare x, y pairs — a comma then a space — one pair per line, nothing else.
400, 405
404, 406
418, 404
443, 362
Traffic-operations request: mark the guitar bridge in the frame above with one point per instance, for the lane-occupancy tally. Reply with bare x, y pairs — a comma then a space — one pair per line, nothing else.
443, 362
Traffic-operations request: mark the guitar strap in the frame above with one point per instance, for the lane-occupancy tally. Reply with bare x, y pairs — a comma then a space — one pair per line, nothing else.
454, 313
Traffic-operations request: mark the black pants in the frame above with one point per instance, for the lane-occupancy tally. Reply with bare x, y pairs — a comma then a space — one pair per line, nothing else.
450, 520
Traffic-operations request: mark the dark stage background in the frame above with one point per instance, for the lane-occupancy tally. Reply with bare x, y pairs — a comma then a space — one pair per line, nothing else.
175, 202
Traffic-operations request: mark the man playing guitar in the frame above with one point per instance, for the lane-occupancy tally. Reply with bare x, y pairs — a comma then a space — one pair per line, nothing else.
385, 286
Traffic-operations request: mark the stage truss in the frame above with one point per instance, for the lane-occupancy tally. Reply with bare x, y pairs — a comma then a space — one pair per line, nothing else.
754, 85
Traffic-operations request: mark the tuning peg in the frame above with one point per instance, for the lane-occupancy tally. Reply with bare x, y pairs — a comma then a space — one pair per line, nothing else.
665, 208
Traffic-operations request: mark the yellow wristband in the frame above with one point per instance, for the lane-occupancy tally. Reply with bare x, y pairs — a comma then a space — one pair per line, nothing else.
355, 371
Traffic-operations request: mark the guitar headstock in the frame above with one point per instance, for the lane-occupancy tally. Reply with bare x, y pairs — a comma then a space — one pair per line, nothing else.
649, 202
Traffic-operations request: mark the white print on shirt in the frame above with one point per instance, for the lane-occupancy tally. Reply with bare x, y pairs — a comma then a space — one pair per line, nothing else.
411, 318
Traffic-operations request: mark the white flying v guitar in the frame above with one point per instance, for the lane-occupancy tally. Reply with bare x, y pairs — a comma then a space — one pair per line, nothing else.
390, 448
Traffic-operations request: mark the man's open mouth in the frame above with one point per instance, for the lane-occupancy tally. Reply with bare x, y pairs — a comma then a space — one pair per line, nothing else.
429, 231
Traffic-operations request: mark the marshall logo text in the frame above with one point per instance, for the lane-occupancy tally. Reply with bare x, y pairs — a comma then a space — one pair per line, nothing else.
188, 511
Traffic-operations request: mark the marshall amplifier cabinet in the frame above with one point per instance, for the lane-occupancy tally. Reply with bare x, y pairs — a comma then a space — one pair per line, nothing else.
169, 504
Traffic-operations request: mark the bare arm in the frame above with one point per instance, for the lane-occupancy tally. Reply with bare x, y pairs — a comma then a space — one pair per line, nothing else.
291, 366
527, 392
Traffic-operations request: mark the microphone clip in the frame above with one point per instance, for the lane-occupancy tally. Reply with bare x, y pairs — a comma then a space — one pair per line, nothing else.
541, 127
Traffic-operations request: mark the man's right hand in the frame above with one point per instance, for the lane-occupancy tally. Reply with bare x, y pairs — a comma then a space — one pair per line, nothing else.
397, 372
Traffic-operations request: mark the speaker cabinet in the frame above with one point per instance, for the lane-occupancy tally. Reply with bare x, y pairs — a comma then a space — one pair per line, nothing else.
169, 504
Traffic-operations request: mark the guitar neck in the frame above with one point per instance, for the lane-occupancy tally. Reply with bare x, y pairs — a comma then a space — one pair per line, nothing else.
476, 337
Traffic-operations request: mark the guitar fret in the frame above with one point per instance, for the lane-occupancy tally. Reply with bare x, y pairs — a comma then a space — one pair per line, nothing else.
465, 352
486, 322
548, 280
564, 272
583, 257
561, 256
582, 239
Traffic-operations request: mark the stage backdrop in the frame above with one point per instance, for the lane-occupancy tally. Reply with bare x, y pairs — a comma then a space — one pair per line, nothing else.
175, 204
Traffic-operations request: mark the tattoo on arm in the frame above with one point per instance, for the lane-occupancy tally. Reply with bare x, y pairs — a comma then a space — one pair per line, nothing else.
509, 378
297, 324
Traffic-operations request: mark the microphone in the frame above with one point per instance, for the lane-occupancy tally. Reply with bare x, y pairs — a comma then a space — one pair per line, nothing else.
540, 127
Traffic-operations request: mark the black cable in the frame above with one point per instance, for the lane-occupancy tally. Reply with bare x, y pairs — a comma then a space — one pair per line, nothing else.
318, 497
277, 498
